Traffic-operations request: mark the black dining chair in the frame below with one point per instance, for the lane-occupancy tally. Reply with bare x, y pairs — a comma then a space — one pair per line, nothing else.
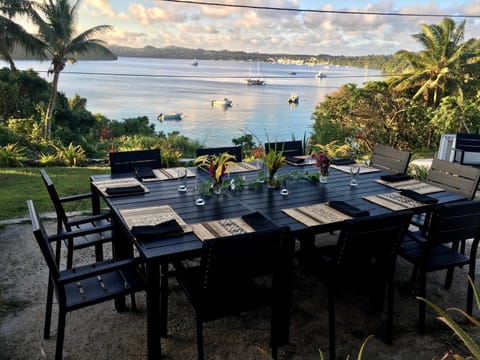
289, 148
389, 159
232, 150
66, 223
85, 285
228, 280
438, 248
365, 254
122, 162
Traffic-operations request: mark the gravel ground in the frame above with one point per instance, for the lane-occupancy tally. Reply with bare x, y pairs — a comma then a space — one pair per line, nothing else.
99, 332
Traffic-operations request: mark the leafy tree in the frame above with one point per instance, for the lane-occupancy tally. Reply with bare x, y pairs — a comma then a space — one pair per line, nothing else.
13, 34
441, 68
56, 20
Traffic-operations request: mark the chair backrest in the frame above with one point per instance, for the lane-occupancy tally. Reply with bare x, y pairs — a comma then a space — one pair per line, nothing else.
232, 150
43, 240
290, 148
454, 222
454, 177
371, 243
62, 218
127, 161
390, 159
231, 260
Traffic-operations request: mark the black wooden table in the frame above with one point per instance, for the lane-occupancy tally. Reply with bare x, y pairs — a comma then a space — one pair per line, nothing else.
231, 203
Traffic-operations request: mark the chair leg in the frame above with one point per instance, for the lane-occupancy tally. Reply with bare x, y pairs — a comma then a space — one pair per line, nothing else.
48, 310
389, 330
134, 302
60, 332
422, 305
331, 322
164, 299
449, 278
200, 339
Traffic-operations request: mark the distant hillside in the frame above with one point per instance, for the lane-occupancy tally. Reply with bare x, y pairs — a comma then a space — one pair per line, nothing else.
174, 52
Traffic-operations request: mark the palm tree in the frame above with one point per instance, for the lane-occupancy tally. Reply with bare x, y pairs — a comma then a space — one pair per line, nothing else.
13, 34
56, 20
440, 67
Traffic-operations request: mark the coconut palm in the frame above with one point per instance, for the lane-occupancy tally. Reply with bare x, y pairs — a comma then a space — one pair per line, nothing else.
56, 20
440, 68
13, 34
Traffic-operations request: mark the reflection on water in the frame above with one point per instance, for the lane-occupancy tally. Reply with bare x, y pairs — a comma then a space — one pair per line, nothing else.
131, 87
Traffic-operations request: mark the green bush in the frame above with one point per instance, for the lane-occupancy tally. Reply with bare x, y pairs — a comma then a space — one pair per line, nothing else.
12, 155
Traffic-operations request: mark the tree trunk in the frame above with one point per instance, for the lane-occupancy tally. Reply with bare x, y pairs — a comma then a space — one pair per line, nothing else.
51, 104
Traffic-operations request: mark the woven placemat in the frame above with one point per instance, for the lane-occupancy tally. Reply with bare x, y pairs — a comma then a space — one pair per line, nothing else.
413, 184
102, 185
237, 167
169, 174
317, 214
346, 169
221, 228
393, 201
152, 215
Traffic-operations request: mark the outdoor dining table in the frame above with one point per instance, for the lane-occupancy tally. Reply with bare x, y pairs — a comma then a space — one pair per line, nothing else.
158, 253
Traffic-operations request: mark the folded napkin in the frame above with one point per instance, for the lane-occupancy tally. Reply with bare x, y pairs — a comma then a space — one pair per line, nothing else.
343, 161
294, 160
348, 209
418, 197
395, 177
150, 232
121, 190
257, 221
144, 172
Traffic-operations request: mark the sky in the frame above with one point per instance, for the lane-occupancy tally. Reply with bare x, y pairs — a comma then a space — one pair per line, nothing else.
161, 23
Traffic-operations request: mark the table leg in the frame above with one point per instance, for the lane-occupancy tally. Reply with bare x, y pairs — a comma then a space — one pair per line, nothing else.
164, 299
153, 312
95, 200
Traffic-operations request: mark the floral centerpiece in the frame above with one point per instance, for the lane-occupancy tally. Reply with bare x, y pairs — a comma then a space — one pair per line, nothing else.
216, 166
324, 154
273, 160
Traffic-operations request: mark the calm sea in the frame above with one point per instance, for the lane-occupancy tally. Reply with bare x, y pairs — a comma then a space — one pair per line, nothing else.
131, 87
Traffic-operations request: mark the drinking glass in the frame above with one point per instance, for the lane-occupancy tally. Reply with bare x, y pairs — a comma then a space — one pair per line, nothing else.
354, 171
284, 190
182, 179
198, 196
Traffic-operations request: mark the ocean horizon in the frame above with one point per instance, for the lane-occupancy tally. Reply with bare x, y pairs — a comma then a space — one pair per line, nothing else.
132, 87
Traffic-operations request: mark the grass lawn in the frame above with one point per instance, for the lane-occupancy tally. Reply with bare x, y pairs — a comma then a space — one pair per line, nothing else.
23, 183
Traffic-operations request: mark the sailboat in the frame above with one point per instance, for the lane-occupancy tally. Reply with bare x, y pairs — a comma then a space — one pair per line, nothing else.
256, 81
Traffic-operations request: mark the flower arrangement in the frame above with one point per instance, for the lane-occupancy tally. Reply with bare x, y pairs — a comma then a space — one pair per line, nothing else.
324, 154
323, 162
273, 160
216, 166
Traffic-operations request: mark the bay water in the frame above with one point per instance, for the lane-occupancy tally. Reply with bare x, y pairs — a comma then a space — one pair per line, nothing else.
131, 87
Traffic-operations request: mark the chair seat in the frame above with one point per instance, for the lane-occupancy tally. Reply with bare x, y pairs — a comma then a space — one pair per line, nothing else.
80, 242
441, 257
90, 291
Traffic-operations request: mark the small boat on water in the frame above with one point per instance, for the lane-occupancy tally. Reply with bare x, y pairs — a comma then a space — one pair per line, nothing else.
256, 82
170, 116
225, 102
293, 99
194, 62
320, 75
292, 73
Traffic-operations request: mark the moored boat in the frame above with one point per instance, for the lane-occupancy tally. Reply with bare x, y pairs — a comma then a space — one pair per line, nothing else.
320, 75
256, 82
225, 102
293, 99
170, 116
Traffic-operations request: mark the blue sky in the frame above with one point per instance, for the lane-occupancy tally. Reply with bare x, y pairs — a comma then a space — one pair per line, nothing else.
163, 23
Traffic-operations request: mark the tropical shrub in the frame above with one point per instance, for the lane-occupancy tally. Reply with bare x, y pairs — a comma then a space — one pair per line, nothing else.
12, 155
71, 155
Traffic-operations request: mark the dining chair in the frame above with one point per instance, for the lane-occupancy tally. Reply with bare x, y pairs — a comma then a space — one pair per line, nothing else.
66, 224
81, 286
228, 280
232, 150
122, 162
439, 247
389, 159
365, 253
289, 148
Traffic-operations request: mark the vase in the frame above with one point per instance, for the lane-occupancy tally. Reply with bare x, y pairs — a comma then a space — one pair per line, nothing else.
272, 182
217, 189
323, 178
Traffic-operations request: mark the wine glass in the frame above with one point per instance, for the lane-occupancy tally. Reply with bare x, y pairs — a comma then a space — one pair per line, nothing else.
354, 171
182, 179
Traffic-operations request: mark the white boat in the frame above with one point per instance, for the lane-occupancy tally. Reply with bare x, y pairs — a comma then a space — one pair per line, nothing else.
256, 81
194, 62
170, 116
293, 99
225, 102
320, 75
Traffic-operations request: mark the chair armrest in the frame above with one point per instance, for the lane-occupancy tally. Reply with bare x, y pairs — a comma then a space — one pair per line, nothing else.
76, 197
88, 271
75, 233
89, 219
